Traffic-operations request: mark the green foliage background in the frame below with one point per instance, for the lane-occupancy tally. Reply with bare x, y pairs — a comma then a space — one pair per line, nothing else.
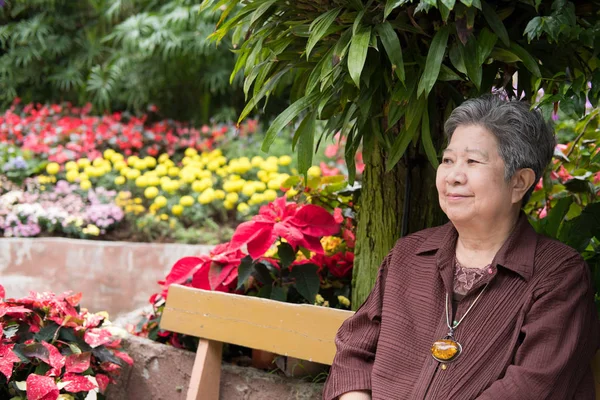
118, 54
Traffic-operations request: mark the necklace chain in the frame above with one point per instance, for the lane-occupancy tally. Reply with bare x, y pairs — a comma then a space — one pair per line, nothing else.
455, 325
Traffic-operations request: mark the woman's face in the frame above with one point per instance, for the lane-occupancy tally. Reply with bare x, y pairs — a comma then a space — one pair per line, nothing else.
470, 179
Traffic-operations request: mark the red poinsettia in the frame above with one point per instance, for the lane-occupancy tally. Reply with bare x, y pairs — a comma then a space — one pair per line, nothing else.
298, 225
216, 271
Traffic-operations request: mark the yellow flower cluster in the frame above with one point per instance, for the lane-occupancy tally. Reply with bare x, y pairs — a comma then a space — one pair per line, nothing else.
331, 244
129, 203
170, 187
91, 230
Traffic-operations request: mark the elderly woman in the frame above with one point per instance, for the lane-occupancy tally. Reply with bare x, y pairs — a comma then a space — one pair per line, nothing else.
482, 307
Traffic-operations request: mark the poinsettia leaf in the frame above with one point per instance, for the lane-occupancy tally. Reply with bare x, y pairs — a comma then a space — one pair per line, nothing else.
278, 293
41, 388
55, 359
103, 382
97, 337
46, 334
183, 269
244, 271
2, 292
105, 355
124, 356
286, 254
78, 383
7, 360
307, 280
78, 363
315, 221
262, 274
34, 350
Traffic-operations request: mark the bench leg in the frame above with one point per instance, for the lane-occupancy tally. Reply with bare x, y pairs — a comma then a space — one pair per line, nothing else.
206, 374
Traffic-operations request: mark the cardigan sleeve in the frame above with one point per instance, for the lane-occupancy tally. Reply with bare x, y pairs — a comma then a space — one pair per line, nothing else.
356, 343
560, 339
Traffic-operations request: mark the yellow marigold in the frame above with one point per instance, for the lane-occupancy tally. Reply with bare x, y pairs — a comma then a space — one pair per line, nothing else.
151, 192
274, 184
163, 157
291, 193
186, 161
330, 243
141, 181
139, 165
256, 198
137, 200
174, 171
314, 171
257, 161
119, 165
188, 176
72, 175
52, 168
150, 161
133, 174
85, 185
270, 195
319, 299
285, 160
177, 209
249, 189
186, 201
98, 162
344, 301
153, 180
190, 152
164, 217
160, 201
161, 170
83, 162
119, 180
208, 196
228, 205
108, 153
116, 158
219, 194
232, 197
132, 160
91, 229
243, 208
71, 165
213, 165
269, 166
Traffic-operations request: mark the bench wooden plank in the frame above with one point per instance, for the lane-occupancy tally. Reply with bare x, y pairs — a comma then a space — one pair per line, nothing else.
302, 331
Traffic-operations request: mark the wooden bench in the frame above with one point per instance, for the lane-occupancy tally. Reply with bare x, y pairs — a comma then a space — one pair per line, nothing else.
302, 331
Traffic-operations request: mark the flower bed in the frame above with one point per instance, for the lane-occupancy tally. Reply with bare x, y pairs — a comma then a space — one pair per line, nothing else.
50, 348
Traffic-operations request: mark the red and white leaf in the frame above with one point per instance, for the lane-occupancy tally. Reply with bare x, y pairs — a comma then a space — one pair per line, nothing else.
103, 382
78, 362
7, 360
2, 292
183, 269
124, 356
97, 337
55, 360
78, 383
41, 388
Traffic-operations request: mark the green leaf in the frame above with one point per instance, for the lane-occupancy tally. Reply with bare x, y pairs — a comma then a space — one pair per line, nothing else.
556, 215
446, 74
504, 55
448, 3
486, 40
358, 53
306, 139
456, 58
390, 5
319, 27
434, 60
406, 135
244, 271
470, 55
278, 293
46, 334
391, 43
263, 274
427, 141
286, 117
396, 111
307, 280
495, 22
269, 85
527, 59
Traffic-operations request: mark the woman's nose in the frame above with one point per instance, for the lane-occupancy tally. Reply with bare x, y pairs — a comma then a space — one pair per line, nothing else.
456, 176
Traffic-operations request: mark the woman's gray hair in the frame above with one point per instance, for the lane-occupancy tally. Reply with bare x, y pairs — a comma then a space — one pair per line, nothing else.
525, 139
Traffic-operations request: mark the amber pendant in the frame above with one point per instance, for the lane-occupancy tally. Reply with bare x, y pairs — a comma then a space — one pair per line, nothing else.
446, 350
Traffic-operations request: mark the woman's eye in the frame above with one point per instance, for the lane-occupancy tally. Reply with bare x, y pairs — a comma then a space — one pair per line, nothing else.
446, 160
471, 161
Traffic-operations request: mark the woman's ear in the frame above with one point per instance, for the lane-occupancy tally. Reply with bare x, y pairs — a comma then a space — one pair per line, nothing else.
522, 181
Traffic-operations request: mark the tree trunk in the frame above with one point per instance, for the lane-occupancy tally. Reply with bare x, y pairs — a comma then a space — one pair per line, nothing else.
381, 210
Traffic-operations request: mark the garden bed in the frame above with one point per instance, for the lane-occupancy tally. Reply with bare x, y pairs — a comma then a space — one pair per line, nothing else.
163, 372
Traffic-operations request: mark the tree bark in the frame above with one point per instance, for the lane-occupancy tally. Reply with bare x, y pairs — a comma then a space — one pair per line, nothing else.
381, 210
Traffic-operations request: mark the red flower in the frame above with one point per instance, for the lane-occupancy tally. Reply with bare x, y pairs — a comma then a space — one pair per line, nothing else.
342, 264
298, 225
